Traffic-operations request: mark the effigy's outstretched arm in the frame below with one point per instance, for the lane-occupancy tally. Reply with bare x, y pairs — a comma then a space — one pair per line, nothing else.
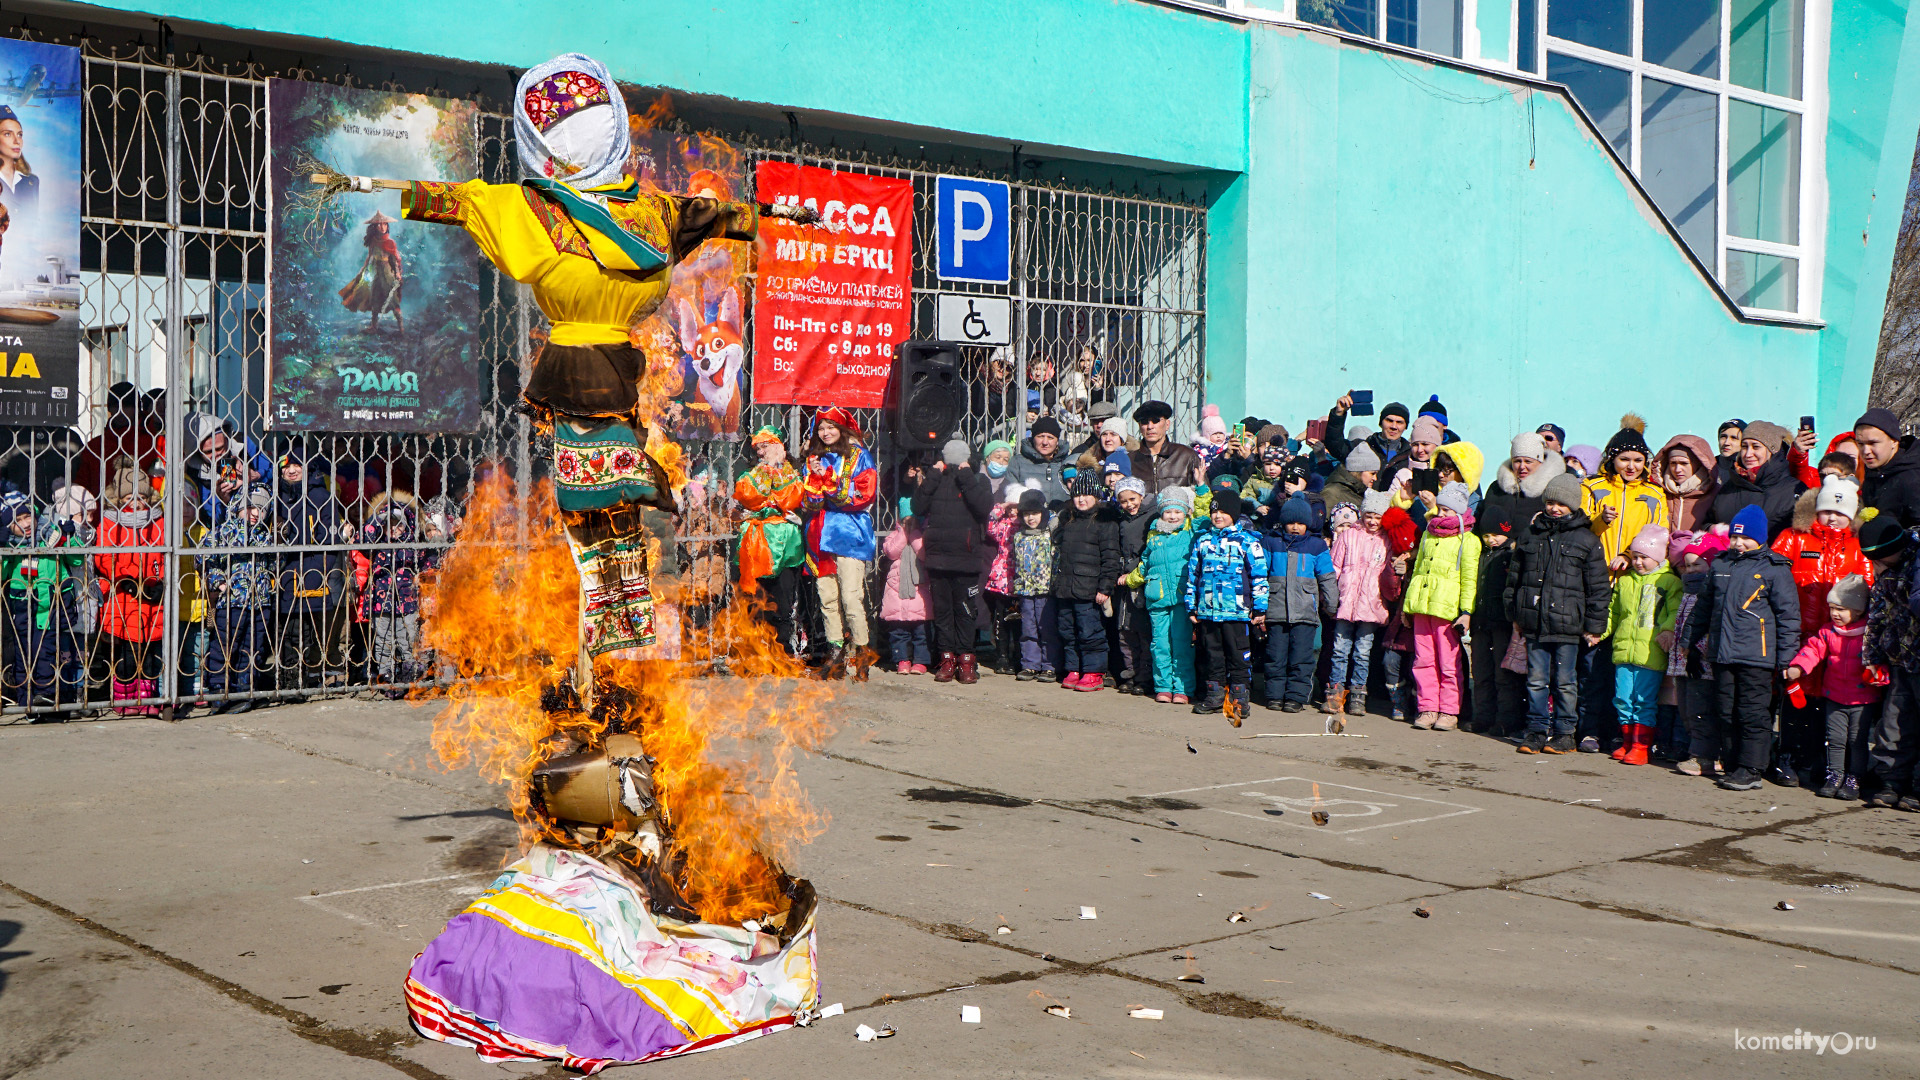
333, 182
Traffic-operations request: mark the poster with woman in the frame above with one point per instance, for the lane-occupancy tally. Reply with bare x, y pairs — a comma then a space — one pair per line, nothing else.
40, 132
372, 322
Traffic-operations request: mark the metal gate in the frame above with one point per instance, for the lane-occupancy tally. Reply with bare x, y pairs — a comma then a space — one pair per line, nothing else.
173, 277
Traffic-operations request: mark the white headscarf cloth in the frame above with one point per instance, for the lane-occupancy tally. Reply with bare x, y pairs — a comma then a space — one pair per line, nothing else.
585, 147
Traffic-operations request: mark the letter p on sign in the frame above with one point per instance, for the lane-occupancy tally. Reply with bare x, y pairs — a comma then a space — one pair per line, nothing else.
975, 229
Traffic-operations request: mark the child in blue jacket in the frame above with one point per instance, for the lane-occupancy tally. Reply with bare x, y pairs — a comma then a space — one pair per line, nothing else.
1300, 589
1227, 591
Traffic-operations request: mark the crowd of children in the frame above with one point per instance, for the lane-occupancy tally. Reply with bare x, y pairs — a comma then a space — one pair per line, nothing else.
1740, 615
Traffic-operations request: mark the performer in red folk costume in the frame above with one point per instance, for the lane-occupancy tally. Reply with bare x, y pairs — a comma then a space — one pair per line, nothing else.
612, 939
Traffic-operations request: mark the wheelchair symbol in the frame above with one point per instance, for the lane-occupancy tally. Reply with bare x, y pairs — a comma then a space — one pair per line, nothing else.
973, 319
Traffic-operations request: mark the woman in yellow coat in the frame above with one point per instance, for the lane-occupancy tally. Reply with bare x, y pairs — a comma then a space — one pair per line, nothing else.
1622, 498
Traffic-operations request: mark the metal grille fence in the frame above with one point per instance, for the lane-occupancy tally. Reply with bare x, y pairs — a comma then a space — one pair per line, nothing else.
1108, 296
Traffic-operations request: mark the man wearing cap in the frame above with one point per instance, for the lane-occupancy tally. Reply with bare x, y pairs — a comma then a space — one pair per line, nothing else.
1893, 645
1388, 443
1553, 438
1759, 475
1892, 466
1161, 462
1042, 463
1105, 417
1728, 438
952, 504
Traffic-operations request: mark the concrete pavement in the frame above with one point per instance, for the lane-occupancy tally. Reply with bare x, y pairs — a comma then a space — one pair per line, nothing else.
244, 894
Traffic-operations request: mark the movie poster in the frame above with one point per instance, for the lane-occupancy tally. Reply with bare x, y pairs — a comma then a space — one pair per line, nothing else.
372, 322
40, 183
696, 342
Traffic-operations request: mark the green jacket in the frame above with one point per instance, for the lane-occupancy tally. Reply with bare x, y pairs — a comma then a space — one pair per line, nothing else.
1643, 607
39, 581
1445, 577
1161, 574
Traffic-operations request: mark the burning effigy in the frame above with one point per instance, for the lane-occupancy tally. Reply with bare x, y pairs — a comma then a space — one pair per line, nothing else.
648, 915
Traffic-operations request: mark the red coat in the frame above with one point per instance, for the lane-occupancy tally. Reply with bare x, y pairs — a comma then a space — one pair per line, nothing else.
1820, 557
135, 608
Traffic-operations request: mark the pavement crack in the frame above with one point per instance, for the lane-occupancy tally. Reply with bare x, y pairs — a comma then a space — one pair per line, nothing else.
378, 1046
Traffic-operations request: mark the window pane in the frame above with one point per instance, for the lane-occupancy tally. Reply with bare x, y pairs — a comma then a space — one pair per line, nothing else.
1682, 34
1679, 159
1763, 173
1763, 281
1765, 45
1432, 25
1529, 59
1604, 92
1602, 24
1354, 18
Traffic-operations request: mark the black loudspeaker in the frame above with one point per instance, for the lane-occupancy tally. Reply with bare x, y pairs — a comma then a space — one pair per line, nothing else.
925, 397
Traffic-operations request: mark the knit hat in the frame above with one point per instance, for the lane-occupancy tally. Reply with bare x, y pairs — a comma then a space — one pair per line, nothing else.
1343, 515
1587, 456
12, 505
1227, 502
1119, 461
1677, 543
260, 495
1528, 444
1880, 418
1453, 497
1362, 459
1849, 592
1559, 433
1493, 519
1631, 436
1707, 545
995, 446
72, 500
1150, 411
1883, 538
1274, 455
1750, 522
1046, 425
1394, 408
1131, 483
1771, 436
1434, 409
1375, 502
1563, 489
1428, 430
1181, 497
1115, 425
1296, 511
1210, 422
1651, 541
956, 452
1085, 484
1838, 493
1030, 500
1295, 469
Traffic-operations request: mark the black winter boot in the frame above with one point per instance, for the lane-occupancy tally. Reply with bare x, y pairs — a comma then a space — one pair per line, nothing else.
1215, 700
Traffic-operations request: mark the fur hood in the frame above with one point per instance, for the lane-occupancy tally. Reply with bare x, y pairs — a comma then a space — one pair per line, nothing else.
1803, 512
1535, 485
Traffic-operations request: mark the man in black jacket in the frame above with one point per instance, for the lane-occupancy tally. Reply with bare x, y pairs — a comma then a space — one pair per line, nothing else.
952, 504
1759, 475
1389, 442
1557, 594
1892, 463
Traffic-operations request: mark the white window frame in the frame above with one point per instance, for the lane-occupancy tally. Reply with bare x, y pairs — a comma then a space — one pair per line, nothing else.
1811, 107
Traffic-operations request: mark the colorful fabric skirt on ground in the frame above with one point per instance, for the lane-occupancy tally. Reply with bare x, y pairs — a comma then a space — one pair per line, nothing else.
562, 958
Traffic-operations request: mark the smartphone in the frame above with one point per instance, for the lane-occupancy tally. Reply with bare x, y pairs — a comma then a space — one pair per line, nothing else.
1361, 408
1362, 397
1239, 432
1806, 423
1426, 480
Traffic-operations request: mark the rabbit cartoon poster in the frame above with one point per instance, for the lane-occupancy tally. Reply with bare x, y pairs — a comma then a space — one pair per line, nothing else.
695, 342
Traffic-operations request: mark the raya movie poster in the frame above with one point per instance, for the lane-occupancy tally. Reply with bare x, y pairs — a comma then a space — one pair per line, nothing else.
41, 94
696, 342
372, 321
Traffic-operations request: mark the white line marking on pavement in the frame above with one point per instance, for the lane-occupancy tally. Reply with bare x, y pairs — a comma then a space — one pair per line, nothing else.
401, 884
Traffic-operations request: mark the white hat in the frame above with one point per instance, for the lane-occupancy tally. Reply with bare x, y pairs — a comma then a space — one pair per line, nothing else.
1528, 444
1375, 502
1838, 493
1115, 425
1011, 493
1453, 497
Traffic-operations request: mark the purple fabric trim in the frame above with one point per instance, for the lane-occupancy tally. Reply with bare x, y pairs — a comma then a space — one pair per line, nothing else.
541, 992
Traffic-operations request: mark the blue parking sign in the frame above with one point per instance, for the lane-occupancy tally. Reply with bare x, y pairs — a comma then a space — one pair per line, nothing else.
975, 229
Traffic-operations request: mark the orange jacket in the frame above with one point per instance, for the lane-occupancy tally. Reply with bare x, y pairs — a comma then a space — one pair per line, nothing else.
1820, 557
135, 608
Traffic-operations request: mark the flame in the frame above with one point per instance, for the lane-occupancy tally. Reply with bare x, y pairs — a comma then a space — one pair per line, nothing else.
506, 616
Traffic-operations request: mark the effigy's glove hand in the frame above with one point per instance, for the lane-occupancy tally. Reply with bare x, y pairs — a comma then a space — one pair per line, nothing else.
794, 212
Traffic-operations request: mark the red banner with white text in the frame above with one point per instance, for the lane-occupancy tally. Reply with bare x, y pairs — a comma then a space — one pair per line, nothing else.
831, 300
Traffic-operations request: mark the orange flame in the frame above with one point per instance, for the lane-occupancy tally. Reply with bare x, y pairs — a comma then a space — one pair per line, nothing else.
507, 613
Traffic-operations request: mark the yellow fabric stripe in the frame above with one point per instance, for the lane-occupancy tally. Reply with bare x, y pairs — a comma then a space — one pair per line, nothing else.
690, 1008
582, 333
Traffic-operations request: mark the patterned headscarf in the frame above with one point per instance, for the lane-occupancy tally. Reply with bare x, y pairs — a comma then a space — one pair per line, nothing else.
571, 123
